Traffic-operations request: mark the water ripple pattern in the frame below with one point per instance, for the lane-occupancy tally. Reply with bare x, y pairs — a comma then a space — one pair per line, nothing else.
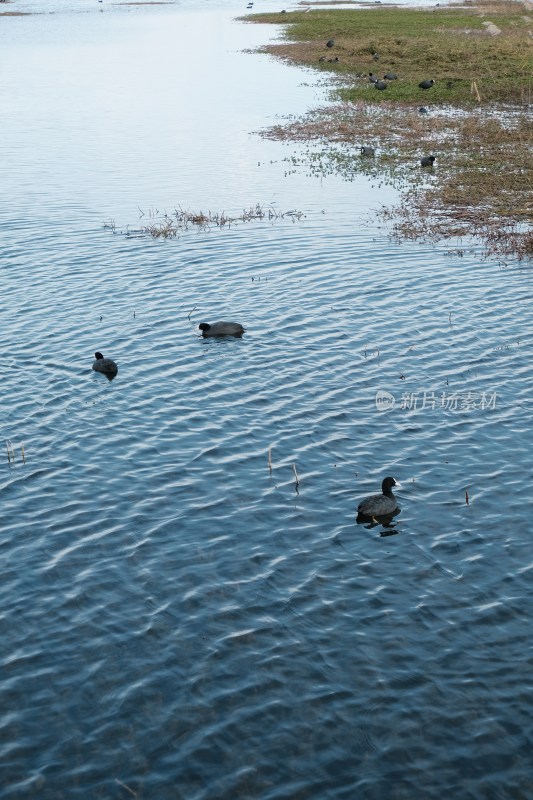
181, 621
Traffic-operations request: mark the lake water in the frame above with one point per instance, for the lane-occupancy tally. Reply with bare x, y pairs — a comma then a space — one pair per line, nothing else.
177, 620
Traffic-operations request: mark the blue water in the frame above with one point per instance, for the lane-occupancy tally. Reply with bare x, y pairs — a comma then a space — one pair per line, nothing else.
178, 620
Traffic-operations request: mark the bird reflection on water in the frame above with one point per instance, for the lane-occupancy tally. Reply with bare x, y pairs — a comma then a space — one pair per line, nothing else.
389, 527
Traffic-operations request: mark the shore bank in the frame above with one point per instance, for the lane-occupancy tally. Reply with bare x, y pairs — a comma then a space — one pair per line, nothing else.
474, 115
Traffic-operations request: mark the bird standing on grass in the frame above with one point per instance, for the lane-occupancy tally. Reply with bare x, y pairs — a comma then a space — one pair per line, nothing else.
426, 84
427, 161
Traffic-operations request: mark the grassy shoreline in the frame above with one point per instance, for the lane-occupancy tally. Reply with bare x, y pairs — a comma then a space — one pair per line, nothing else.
479, 123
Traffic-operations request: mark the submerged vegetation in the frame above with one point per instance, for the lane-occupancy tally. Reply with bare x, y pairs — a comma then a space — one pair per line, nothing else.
475, 116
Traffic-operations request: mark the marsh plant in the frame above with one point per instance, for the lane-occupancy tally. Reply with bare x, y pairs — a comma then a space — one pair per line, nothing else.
170, 226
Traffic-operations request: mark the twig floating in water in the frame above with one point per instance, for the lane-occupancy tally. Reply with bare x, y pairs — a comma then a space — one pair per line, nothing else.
11, 451
124, 786
296, 476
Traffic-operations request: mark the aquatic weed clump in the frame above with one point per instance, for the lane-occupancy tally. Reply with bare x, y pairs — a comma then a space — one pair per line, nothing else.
169, 226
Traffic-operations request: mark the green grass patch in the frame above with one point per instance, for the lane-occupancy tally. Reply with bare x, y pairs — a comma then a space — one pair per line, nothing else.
450, 45
479, 124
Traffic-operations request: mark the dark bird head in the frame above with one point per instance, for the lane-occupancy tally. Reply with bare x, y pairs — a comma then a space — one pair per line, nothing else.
204, 326
98, 355
386, 486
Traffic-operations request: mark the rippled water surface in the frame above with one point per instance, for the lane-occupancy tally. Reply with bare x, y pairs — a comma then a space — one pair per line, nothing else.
178, 620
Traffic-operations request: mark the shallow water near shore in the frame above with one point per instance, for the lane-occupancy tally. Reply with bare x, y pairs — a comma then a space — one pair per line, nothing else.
178, 620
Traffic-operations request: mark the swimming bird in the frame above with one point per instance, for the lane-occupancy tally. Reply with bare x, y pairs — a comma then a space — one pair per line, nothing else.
427, 161
104, 365
221, 329
390, 76
366, 150
380, 505
330, 43
426, 84
380, 85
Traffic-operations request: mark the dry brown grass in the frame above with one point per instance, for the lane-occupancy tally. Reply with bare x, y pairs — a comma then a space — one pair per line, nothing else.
479, 127
480, 185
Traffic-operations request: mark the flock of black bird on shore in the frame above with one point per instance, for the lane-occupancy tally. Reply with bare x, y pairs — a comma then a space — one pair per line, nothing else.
381, 84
